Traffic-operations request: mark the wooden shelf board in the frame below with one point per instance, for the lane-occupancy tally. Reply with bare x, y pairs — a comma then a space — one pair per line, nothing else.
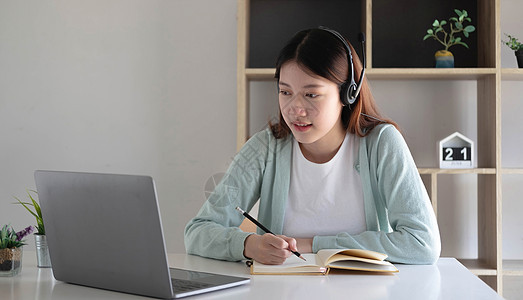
457, 171
260, 73
512, 74
511, 171
396, 73
478, 267
512, 267
430, 73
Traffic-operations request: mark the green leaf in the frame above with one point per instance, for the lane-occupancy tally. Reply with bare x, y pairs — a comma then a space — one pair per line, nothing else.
465, 13
430, 31
453, 19
463, 44
459, 25
466, 34
436, 23
470, 28
443, 22
427, 36
458, 12
28, 209
439, 29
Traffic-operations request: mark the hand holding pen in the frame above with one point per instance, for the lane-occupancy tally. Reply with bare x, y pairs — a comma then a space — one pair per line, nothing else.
271, 248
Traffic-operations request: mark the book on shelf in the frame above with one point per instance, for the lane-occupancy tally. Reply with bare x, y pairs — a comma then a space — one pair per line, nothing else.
325, 260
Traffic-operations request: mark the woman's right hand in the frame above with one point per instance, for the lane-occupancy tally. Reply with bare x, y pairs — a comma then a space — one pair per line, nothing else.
269, 249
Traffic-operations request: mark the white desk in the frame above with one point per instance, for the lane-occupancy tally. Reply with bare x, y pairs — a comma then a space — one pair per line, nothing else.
448, 279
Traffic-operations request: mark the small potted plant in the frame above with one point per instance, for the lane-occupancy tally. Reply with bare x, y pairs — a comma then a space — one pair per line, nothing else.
515, 45
448, 36
11, 246
42, 251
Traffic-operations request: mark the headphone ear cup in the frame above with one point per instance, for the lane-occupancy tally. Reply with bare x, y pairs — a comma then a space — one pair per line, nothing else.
351, 91
347, 94
344, 94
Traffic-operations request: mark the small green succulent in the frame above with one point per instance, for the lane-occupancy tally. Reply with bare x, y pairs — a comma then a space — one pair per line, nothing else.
9, 238
513, 43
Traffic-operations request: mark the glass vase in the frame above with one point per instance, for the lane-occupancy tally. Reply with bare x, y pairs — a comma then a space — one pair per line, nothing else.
10, 261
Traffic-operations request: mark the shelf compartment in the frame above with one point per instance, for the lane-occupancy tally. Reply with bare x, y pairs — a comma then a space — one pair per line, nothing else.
512, 267
478, 267
398, 42
272, 23
457, 171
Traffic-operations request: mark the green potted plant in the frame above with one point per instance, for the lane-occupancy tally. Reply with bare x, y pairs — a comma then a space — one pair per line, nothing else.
515, 45
11, 246
446, 33
42, 251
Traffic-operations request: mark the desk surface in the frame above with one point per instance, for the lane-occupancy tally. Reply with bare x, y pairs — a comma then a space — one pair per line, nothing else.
447, 279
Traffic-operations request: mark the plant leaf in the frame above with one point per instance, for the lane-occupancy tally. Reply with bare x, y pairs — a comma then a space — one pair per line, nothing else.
28, 209
469, 28
463, 44
427, 36
443, 22
465, 33
37, 207
436, 23
430, 31
459, 25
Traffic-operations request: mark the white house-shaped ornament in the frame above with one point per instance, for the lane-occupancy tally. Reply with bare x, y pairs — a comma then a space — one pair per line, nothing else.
456, 152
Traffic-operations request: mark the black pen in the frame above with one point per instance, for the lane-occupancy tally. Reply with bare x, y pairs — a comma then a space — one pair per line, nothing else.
264, 228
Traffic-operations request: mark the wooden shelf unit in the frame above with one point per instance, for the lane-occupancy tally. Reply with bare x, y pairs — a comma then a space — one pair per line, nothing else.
488, 75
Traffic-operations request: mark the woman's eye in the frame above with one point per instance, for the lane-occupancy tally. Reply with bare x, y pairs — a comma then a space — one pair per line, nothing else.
310, 95
284, 93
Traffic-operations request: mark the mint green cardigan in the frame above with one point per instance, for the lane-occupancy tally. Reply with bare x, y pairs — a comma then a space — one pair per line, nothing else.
400, 219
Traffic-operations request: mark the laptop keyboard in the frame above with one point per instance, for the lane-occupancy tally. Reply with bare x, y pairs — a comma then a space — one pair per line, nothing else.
180, 285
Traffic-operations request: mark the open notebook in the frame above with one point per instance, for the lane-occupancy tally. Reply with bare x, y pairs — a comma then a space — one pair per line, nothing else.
326, 259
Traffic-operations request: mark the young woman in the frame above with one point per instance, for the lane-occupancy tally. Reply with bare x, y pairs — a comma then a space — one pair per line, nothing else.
329, 174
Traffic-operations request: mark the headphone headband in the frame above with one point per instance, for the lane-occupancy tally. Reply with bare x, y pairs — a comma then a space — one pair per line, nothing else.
349, 90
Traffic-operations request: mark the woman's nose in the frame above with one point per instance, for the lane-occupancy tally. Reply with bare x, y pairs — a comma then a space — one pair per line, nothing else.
298, 110
299, 106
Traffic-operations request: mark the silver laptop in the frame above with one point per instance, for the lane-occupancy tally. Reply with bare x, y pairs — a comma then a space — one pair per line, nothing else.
104, 231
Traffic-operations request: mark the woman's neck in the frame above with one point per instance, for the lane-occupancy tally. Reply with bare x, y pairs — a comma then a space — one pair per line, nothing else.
324, 149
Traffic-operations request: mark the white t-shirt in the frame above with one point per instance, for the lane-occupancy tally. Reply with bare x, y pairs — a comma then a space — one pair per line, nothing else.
325, 199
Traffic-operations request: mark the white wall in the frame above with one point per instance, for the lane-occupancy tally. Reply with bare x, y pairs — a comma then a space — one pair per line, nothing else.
140, 87
149, 87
